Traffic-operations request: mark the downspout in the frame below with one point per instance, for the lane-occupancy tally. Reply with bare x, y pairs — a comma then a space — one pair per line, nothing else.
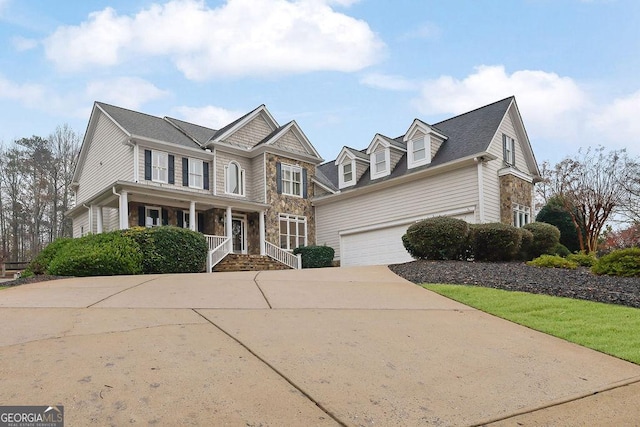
480, 162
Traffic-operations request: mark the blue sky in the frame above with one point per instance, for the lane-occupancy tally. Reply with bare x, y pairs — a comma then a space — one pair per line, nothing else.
343, 69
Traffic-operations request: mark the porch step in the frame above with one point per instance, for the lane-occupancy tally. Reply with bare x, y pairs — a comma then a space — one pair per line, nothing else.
237, 262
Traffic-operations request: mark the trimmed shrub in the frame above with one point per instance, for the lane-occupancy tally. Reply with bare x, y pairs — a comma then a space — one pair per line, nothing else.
545, 238
623, 262
40, 264
552, 261
555, 213
170, 249
315, 256
441, 238
495, 242
525, 244
561, 250
105, 254
583, 259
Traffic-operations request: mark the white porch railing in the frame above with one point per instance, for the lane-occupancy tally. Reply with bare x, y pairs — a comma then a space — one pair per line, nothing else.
285, 257
219, 247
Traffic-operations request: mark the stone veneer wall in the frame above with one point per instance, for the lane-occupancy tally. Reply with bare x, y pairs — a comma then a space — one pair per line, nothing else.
280, 203
513, 190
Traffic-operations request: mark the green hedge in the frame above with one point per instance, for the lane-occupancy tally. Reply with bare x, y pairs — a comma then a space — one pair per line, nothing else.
526, 242
315, 256
40, 265
553, 261
545, 238
105, 254
623, 262
440, 238
170, 249
495, 242
583, 259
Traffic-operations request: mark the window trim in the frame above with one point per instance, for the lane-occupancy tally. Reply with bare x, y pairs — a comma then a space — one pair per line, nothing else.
293, 170
240, 177
412, 162
186, 219
373, 163
157, 168
193, 174
344, 182
292, 219
146, 215
509, 150
521, 215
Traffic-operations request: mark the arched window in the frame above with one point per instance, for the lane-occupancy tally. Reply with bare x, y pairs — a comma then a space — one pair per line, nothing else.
234, 179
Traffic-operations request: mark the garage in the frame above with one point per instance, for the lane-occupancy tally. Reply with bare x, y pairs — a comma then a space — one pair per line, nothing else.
380, 245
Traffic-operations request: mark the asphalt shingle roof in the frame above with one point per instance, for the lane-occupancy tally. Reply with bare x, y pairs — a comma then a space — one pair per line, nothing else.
201, 134
467, 134
147, 126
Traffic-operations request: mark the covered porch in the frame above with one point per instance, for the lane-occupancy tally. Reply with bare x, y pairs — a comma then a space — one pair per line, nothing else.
230, 225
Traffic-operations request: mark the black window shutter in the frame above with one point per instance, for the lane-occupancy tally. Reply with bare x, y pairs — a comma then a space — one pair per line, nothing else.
180, 216
172, 169
513, 153
141, 216
205, 175
200, 222
185, 172
165, 217
279, 177
147, 165
304, 183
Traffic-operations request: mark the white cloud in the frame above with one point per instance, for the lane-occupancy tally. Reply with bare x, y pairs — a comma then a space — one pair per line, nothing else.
550, 103
209, 116
427, 30
389, 82
22, 43
28, 94
619, 120
239, 38
127, 92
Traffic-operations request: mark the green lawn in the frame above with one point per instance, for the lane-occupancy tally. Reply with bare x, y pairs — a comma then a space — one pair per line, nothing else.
3, 287
611, 329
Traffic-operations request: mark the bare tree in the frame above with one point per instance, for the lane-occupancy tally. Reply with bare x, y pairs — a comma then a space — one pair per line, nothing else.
591, 185
65, 144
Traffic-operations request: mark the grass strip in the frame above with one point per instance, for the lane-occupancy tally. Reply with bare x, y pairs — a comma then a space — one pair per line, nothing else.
611, 329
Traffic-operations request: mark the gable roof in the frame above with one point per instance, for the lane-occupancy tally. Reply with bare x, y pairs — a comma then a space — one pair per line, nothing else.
467, 135
200, 134
241, 121
146, 126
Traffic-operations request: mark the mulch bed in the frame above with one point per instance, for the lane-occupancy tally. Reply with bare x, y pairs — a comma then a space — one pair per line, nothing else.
32, 279
517, 276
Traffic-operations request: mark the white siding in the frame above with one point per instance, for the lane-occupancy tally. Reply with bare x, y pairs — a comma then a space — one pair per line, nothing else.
80, 221
177, 171
222, 160
256, 184
449, 191
107, 160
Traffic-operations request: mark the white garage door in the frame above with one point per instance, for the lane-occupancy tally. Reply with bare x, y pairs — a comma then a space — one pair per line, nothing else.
379, 246
382, 246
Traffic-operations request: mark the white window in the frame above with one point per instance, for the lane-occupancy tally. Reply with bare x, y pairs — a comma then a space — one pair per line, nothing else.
195, 173
380, 160
159, 166
234, 179
185, 219
419, 150
293, 231
521, 215
292, 180
347, 172
509, 145
153, 217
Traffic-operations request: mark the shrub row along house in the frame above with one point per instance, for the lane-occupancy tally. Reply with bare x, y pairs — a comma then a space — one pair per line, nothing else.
256, 187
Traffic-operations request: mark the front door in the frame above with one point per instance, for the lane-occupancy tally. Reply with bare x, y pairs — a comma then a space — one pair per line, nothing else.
239, 235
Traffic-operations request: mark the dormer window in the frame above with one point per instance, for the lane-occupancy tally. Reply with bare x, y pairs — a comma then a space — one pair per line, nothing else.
418, 150
380, 162
346, 173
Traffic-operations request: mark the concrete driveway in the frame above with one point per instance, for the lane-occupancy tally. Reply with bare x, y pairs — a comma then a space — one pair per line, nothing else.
342, 346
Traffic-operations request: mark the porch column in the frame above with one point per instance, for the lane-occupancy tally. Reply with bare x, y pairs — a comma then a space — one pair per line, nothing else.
193, 221
99, 218
123, 210
263, 250
228, 223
